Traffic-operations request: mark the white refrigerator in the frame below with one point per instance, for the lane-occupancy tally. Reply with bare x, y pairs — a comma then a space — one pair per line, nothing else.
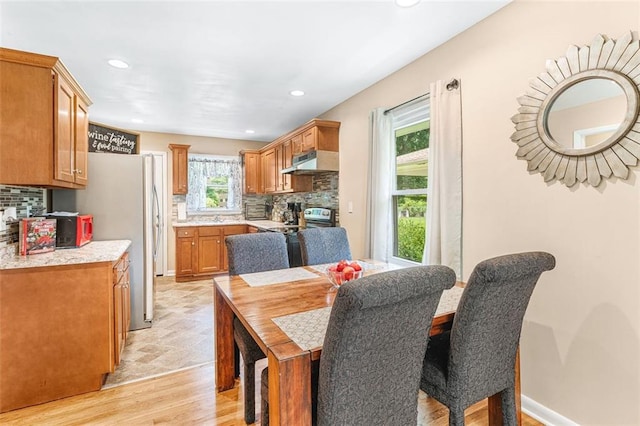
123, 200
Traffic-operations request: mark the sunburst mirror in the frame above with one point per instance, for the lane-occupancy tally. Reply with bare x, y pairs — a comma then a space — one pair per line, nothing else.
578, 120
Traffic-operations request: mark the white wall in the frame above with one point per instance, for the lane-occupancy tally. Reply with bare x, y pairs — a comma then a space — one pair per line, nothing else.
580, 345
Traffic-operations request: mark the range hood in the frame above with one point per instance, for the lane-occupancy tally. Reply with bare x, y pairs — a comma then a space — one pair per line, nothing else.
313, 162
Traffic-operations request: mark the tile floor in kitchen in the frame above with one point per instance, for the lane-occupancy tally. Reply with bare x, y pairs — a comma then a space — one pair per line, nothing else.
181, 336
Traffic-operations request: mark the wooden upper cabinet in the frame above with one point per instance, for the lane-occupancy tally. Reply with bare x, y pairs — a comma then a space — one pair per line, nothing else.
64, 150
180, 171
287, 156
269, 176
82, 144
44, 126
251, 162
322, 136
273, 161
278, 155
309, 138
296, 144
280, 178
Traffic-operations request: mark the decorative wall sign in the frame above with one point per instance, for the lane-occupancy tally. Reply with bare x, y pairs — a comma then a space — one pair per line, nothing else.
112, 140
578, 122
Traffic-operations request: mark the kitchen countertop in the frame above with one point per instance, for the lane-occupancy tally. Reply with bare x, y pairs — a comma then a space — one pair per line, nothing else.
95, 251
263, 224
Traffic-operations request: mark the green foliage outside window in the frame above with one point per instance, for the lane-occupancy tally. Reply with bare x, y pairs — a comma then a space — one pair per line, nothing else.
217, 192
411, 232
413, 141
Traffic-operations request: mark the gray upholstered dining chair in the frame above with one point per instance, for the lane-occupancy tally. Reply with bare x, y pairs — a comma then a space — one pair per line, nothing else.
248, 253
476, 359
323, 245
374, 346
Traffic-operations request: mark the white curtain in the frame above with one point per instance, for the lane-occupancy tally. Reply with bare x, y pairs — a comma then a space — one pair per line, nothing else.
378, 220
201, 168
443, 243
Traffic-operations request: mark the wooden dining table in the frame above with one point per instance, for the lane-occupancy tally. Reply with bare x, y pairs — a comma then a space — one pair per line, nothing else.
286, 312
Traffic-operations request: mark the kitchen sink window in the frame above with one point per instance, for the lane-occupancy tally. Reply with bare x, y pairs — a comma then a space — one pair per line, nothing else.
214, 184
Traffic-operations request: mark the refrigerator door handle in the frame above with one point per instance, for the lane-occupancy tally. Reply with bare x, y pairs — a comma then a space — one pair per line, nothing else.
158, 230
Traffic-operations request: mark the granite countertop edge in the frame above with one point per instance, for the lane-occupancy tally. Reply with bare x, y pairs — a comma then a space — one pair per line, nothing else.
262, 224
94, 252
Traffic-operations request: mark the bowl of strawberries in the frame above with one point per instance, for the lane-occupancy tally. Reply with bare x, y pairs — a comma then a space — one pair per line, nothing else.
344, 271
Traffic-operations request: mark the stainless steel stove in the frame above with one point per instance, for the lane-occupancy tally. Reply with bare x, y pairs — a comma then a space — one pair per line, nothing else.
317, 217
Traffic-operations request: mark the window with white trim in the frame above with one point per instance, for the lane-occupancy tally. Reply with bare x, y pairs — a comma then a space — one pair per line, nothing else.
215, 184
410, 127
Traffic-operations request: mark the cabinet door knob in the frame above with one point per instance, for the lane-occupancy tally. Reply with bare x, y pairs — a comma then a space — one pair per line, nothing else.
193, 243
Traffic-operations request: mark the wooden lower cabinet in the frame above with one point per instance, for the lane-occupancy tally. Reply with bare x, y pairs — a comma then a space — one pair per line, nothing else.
201, 252
186, 252
209, 250
60, 330
121, 305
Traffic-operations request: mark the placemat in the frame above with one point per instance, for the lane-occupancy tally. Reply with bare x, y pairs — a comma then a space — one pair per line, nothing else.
307, 329
278, 276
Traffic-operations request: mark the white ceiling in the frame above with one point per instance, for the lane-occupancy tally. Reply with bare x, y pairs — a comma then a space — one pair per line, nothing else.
217, 68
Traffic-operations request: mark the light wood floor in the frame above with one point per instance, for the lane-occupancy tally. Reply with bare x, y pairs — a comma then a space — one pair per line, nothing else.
184, 398
187, 397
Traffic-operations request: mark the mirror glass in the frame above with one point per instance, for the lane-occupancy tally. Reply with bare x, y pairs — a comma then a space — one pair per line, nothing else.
587, 113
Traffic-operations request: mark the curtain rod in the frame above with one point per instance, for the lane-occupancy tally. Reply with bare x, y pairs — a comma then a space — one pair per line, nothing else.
452, 85
404, 103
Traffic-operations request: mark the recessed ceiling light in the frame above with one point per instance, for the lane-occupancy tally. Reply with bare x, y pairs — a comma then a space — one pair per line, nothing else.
137, 120
407, 3
297, 93
250, 131
117, 63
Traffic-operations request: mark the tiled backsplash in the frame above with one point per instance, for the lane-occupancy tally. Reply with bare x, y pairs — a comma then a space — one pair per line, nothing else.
21, 198
324, 194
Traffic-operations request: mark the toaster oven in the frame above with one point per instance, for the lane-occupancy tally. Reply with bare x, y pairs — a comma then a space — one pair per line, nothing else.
73, 231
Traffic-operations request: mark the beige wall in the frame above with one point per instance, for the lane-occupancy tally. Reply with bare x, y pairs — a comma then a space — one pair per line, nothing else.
150, 141
580, 342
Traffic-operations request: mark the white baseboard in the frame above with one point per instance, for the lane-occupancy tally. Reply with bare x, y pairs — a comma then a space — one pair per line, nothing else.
544, 414
170, 273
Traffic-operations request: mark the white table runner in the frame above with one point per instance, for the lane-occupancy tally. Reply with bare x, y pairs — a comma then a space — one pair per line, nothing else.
307, 329
278, 276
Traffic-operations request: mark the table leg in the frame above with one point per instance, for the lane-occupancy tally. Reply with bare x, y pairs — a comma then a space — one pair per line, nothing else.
495, 404
289, 385
225, 359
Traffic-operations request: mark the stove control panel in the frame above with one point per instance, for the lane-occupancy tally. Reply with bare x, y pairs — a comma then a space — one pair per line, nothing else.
317, 213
